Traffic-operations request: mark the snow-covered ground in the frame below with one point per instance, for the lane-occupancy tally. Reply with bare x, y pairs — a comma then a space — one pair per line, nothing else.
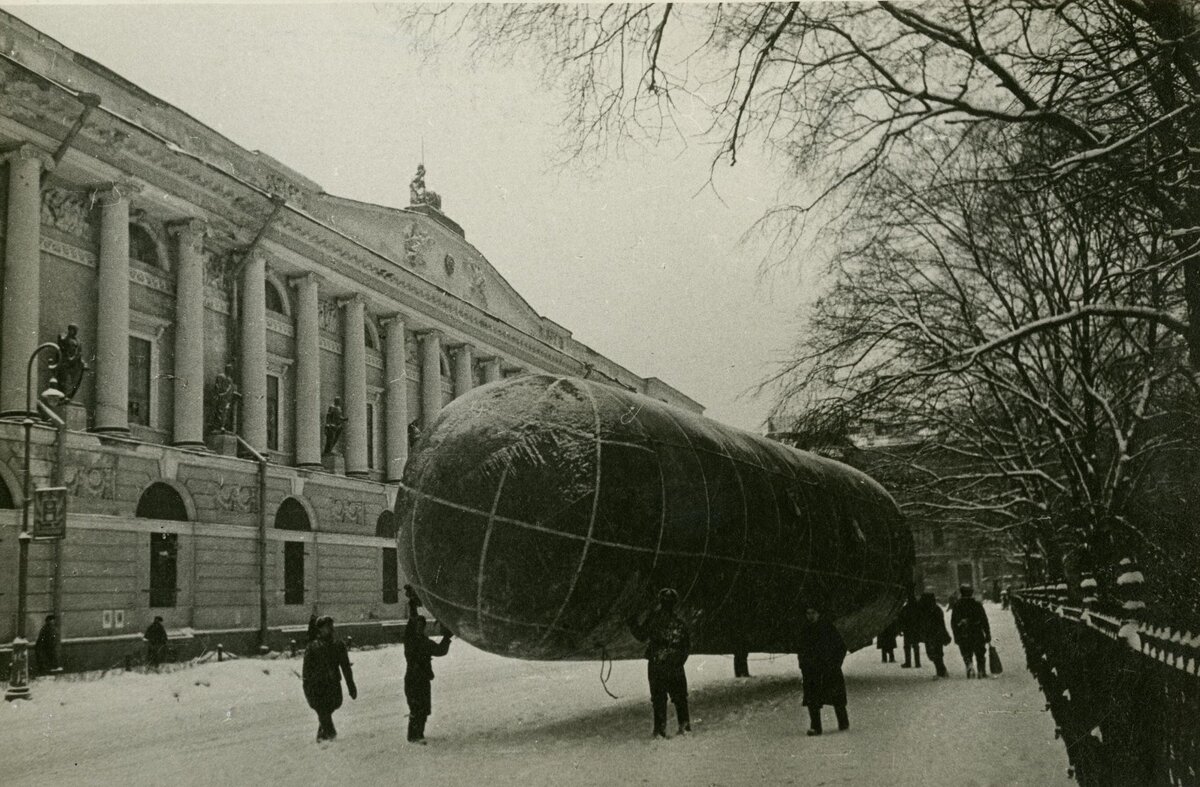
514, 722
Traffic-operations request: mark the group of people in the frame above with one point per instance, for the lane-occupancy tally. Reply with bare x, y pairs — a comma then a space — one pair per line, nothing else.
327, 664
921, 620
820, 653
45, 648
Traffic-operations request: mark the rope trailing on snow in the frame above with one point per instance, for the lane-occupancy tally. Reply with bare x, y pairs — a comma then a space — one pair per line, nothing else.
604, 676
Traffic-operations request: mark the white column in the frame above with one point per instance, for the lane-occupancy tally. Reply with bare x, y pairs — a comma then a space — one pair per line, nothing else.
354, 384
308, 372
431, 377
492, 370
253, 345
189, 334
112, 314
464, 379
396, 418
22, 272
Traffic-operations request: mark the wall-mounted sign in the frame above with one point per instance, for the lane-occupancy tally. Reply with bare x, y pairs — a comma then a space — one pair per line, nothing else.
50, 512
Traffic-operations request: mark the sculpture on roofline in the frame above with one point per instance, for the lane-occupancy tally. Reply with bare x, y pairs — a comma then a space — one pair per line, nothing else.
419, 195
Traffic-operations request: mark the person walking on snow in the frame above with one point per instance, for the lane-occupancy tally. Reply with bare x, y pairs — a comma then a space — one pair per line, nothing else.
820, 655
886, 642
932, 625
326, 662
972, 633
419, 652
668, 645
910, 628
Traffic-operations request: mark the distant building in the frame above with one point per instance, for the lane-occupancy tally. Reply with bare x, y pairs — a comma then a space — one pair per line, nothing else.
180, 255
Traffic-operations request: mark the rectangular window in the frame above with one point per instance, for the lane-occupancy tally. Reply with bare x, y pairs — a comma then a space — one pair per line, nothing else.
163, 569
391, 576
370, 437
139, 381
939, 536
293, 572
272, 412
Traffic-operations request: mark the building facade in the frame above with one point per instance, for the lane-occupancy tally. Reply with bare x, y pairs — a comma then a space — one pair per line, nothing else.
188, 263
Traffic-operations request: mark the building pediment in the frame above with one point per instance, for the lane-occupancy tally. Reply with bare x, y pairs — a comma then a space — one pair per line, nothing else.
427, 247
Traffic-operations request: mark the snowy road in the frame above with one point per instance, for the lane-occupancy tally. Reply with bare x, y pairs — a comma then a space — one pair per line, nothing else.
514, 722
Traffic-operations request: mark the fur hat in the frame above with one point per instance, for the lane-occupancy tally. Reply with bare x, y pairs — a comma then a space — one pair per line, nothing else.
966, 591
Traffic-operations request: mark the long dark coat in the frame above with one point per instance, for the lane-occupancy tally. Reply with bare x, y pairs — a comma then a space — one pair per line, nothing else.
325, 662
969, 623
932, 622
418, 672
910, 621
668, 643
44, 648
821, 653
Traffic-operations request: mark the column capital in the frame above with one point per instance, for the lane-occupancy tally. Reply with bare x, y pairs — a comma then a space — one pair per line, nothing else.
27, 151
351, 300
457, 347
191, 231
429, 333
187, 224
116, 191
306, 278
388, 320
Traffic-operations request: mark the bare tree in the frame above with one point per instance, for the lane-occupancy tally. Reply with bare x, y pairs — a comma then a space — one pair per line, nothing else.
846, 88
945, 318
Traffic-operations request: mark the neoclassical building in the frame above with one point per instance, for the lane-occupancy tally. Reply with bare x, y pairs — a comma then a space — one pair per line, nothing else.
183, 258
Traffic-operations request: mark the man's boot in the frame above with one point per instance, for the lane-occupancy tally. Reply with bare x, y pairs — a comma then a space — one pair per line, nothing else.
843, 718
814, 721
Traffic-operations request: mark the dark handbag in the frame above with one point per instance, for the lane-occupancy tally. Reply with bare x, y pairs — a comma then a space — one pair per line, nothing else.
994, 663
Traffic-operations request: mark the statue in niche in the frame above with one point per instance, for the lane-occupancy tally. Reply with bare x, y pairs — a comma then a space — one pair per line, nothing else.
335, 421
414, 434
70, 367
419, 195
224, 392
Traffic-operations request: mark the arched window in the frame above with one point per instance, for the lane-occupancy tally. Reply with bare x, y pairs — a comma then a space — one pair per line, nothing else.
142, 246
292, 516
274, 299
6, 498
385, 526
161, 501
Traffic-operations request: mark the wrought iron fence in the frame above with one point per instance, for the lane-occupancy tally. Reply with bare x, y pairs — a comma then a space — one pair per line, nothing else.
1123, 689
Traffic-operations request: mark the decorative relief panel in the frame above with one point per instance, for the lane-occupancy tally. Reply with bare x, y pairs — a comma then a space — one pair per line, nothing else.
478, 282
91, 475
348, 512
67, 252
67, 211
329, 315
416, 242
235, 498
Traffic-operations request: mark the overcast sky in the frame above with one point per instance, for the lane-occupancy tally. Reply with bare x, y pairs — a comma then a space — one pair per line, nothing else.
632, 253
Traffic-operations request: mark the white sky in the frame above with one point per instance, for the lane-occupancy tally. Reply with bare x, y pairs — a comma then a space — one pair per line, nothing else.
630, 253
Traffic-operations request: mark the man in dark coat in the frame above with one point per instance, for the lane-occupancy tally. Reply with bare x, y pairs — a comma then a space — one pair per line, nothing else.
931, 623
45, 649
668, 645
820, 654
910, 627
419, 651
325, 663
972, 633
156, 642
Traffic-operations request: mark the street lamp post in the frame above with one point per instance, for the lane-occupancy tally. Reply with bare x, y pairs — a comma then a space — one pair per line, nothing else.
18, 677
